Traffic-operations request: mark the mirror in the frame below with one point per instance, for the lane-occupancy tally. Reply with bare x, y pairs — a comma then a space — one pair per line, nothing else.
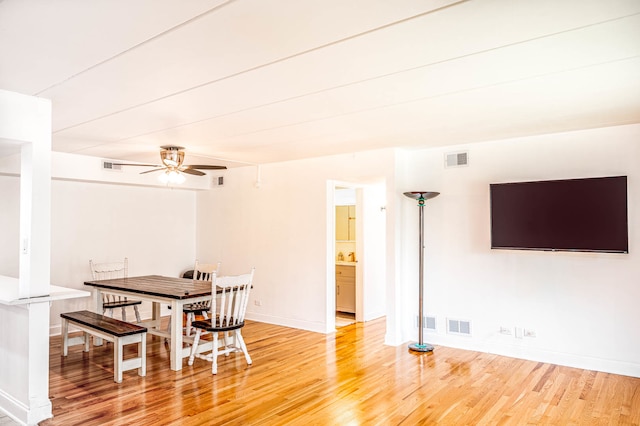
345, 223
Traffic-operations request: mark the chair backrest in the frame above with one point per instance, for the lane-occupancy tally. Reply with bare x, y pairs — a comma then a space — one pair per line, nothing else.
107, 271
228, 308
205, 271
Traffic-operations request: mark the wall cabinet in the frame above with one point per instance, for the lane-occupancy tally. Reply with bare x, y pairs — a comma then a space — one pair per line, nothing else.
345, 223
346, 288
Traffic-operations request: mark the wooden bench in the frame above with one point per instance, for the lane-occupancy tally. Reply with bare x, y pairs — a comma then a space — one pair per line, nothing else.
118, 332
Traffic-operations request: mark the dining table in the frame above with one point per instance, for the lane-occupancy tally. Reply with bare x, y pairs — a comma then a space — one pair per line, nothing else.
157, 289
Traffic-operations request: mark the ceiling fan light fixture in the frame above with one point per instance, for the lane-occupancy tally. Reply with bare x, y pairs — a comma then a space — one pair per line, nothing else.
171, 177
172, 156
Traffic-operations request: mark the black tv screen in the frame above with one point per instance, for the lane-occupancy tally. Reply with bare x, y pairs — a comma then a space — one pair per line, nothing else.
570, 215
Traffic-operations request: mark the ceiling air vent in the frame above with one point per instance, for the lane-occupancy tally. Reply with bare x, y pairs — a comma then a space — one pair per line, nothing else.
456, 159
108, 165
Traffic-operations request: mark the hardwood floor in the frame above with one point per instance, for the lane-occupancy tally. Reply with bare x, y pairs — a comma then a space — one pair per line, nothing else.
347, 378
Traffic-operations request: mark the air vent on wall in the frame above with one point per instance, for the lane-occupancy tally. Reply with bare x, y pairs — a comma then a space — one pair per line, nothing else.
455, 326
217, 181
456, 159
428, 323
108, 165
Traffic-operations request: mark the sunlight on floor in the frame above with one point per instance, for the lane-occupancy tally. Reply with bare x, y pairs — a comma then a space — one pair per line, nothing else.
343, 319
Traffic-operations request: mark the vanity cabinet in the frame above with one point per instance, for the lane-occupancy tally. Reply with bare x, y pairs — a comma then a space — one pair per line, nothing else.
346, 288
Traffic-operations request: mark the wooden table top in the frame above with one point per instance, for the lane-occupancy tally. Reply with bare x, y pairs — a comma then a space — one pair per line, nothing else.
156, 285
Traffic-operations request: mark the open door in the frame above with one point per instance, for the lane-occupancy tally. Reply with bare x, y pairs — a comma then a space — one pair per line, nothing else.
357, 253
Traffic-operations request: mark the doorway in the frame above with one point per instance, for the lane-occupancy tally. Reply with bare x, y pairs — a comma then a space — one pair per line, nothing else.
357, 253
346, 254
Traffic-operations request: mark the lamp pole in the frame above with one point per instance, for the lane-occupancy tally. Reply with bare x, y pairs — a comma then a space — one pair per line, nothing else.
421, 196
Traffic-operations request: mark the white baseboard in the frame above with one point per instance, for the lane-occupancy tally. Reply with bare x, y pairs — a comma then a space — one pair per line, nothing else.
288, 322
532, 354
23, 414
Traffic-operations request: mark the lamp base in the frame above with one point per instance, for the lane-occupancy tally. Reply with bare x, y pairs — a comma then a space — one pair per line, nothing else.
420, 347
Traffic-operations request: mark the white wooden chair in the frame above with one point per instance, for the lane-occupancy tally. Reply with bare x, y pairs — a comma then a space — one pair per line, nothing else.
205, 272
106, 271
226, 316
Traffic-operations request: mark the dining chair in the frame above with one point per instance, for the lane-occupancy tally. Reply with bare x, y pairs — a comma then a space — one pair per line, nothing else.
204, 272
106, 271
226, 316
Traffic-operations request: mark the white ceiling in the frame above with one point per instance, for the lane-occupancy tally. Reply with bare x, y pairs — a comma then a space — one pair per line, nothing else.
258, 81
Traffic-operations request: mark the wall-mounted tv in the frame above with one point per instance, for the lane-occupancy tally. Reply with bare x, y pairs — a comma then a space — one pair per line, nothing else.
569, 215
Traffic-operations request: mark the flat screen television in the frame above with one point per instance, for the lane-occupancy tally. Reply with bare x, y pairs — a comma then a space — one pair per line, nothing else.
565, 215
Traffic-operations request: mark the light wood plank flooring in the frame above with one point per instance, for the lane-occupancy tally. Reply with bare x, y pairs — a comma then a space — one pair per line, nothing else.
346, 378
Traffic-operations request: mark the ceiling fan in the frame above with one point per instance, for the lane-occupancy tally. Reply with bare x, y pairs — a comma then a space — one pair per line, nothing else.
172, 164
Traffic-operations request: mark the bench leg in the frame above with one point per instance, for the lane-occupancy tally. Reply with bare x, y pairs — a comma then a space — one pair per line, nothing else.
118, 354
142, 353
71, 341
119, 363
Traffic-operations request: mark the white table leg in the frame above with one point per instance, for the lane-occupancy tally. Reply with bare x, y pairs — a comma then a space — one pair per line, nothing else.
65, 337
156, 319
176, 335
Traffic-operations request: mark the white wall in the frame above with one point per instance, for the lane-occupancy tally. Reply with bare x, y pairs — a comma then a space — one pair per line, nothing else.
154, 227
582, 306
10, 235
281, 229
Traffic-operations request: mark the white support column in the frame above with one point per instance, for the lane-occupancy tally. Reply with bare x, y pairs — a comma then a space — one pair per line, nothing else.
24, 378
35, 205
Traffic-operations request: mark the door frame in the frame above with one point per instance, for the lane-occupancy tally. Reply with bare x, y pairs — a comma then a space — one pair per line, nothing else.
361, 250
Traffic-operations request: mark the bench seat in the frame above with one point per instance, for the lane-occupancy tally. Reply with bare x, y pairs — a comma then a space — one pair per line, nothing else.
118, 332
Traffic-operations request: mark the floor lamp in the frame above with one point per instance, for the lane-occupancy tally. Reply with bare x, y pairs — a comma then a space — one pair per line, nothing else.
421, 196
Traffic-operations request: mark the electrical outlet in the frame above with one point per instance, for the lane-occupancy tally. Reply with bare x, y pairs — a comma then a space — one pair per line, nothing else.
529, 333
257, 302
505, 330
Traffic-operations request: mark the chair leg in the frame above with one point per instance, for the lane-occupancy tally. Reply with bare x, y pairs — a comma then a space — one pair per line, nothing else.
214, 354
190, 317
227, 341
194, 346
243, 346
135, 309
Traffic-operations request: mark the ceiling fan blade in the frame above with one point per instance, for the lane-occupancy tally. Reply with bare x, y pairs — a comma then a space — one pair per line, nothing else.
152, 170
192, 172
205, 167
137, 164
